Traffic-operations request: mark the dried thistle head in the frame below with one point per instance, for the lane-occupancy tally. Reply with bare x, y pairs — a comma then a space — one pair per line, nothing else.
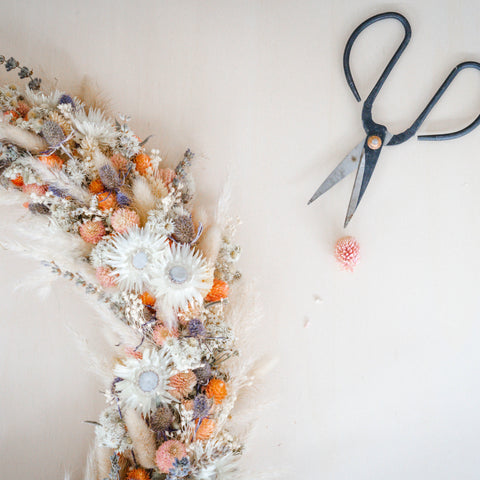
184, 231
162, 419
52, 133
109, 177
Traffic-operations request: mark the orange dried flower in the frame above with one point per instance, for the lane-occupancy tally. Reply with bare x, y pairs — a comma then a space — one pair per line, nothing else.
106, 200
13, 114
216, 389
92, 232
206, 428
18, 181
142, 163
52, 161
218, 292
138, 474
22, 108
181, 384
148, 299
96, 186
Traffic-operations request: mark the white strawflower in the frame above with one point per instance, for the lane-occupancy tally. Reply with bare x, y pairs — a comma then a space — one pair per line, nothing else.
185, 278
136, 257
94, 127
212, 461
144, 381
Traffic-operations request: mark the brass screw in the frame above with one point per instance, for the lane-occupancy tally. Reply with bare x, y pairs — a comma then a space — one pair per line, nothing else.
374, 142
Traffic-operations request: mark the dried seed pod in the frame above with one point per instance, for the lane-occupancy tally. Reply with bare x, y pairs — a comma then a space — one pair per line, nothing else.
184, 230
52, 133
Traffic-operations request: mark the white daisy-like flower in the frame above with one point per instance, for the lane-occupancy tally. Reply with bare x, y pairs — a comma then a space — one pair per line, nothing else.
95, 127
186, 353
40, 99
135, 257
144, 382
184, 279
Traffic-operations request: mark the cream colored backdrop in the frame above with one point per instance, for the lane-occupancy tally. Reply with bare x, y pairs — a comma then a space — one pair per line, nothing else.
384, 382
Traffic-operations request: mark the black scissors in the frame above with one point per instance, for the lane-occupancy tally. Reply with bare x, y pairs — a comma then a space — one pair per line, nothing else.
365, 155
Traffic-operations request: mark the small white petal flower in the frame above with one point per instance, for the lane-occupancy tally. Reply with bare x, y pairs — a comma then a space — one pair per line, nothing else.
135, 257
184, 279
144, 382
93, 126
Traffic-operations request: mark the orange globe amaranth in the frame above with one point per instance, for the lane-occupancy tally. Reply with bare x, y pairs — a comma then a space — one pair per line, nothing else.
205, 429
96, 186
106, 200
216, 389
52, 161
218, 291
13, 113
18, 181
138, 474
148, 299
142, 163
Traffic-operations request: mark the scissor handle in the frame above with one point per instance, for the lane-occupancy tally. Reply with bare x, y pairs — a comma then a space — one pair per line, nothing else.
402, 137
368, 123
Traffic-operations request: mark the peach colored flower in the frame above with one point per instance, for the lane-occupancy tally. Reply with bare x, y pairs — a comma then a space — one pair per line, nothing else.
105, 277
92, 231
181, 384
167, 453
124, 219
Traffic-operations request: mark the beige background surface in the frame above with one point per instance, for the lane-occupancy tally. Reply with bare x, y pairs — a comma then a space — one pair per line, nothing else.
384, 382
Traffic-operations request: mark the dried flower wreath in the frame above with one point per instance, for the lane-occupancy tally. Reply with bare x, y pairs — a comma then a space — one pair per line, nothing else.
106, 215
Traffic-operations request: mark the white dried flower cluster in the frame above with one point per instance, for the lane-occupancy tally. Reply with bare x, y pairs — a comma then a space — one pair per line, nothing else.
22, 167
111, 432
134, 309
186, 353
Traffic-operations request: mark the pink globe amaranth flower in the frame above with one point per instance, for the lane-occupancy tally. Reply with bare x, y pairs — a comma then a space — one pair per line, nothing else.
105, 277
167, 453
123, 219
161, 333
166, 175
347, 252
39, 190
92, 231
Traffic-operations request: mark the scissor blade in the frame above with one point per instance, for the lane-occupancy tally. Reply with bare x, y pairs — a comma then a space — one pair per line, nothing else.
364, 174
354, 199
344, 168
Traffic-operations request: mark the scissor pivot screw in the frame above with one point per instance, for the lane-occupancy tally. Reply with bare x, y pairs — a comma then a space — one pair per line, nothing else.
374, 142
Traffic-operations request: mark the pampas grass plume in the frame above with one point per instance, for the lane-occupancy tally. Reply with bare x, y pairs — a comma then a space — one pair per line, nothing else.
142, 437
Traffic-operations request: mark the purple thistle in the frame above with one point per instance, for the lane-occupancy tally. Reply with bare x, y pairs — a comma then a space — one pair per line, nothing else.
56, 191
66, 99
203, 374
201, 406
123, 200
196, 328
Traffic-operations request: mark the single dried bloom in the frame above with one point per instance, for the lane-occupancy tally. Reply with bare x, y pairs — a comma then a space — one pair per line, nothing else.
166, 175
92, 231
205, 428
106, 200
138, 474
18, 181
347, 252
51, 161
216, 389
218, 291
184, 230
203, 374
181, 384
106, 277
52, 132
143, 163
161, 333
109, 177
147, 299
96, 186
201, 406
161, 419
167, 453
123, 219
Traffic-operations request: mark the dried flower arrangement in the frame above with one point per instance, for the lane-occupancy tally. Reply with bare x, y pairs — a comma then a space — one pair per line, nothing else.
105, 214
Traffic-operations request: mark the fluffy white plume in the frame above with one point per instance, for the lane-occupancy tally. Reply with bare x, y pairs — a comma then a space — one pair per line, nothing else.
144, 198
27, 140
